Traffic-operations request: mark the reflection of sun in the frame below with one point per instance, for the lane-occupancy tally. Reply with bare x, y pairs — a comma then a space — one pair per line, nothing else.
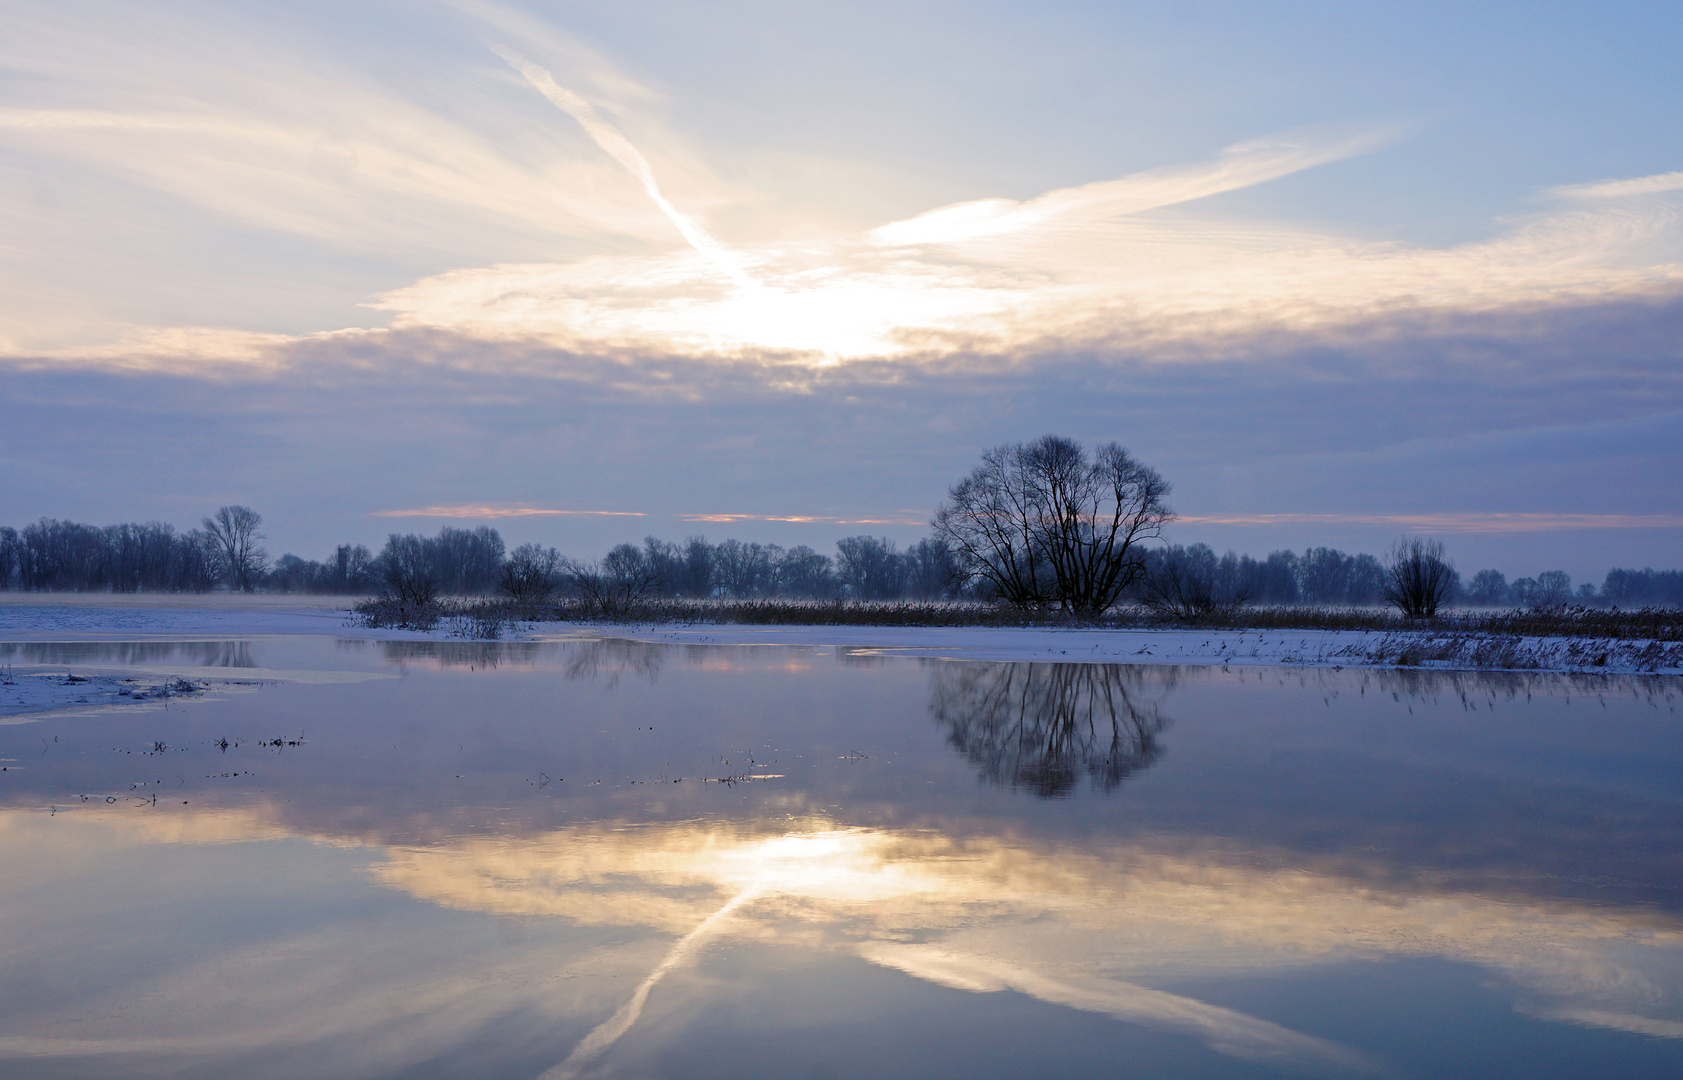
825, 864
1073, 927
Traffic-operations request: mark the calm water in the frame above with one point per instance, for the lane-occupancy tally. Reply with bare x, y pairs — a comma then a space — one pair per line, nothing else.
370, 859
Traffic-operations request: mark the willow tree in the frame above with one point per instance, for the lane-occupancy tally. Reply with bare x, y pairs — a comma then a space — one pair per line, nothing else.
1418, 579
1045, 523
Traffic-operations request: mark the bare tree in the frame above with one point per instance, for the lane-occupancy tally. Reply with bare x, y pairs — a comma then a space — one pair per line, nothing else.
532, 574
804, 572
1192, 584
233, 534
1554, 590
406, 564
1045, 523
624, 576
1418, 579
870, 567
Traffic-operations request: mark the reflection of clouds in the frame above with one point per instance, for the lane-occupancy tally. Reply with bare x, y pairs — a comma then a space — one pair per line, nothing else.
1095, 921
1088, 925
337, 992
1044, 726
1228, 1031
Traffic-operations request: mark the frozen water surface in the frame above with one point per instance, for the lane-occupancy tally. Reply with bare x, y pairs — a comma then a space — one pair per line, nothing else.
345, 857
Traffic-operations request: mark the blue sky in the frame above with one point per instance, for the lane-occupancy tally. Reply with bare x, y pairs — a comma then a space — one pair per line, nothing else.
1340, 271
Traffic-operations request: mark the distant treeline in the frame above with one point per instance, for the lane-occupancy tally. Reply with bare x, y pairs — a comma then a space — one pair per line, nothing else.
64, 556
467, 562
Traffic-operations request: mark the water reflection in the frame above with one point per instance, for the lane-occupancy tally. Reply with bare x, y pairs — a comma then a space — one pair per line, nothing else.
614, 658
1471, 688
1091, 928
605, 906
475, 654
226, 654
1042, 727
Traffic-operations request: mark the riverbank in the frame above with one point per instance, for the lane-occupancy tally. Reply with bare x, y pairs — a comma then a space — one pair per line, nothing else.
1452, 645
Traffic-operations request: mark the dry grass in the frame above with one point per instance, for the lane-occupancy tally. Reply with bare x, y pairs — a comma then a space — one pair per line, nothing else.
491, 615
1644, 624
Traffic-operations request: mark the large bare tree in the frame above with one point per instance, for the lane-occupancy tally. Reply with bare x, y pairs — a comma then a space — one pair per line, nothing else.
233, 534
1418, 579
1047, 523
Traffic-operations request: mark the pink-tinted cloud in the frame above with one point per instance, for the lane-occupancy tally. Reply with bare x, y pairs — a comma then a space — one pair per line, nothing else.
480, 511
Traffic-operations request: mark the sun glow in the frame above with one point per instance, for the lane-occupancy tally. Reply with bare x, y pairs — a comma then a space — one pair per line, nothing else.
1084, 272
1108, 262
579, 226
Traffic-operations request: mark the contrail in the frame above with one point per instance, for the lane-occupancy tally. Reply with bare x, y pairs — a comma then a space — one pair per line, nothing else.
620, 149
608, 1031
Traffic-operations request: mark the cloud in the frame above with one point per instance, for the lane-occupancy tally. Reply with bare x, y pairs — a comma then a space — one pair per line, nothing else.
1075, 269
618, 147
468, 190
805, 519
192, 235
493, 512
1623, 189
1240, 166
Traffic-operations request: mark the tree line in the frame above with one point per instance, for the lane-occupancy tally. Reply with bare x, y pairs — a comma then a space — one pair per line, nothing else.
415, 569
65, 556
225, 552
1046, 525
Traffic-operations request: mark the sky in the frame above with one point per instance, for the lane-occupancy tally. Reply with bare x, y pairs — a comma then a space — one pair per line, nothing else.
588, 272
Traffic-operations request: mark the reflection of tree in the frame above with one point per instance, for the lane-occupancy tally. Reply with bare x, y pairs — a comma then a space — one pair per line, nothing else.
1042, 726
1473, 688
479, 654
236, 654
603, 659
609, 658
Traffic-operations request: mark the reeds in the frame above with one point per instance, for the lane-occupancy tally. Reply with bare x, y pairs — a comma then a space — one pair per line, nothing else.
489, 617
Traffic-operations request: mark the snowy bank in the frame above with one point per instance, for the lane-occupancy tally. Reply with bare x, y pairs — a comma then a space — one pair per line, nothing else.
1226, 648
230, 617
21, 694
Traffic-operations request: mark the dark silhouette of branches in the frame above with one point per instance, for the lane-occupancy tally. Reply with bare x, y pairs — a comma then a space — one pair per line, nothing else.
1042, 727
233, 536
1192, 584
1045, 523
531, 575
1418, 580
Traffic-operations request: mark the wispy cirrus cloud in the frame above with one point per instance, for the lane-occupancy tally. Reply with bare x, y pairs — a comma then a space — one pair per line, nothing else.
905, 518
551, 150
